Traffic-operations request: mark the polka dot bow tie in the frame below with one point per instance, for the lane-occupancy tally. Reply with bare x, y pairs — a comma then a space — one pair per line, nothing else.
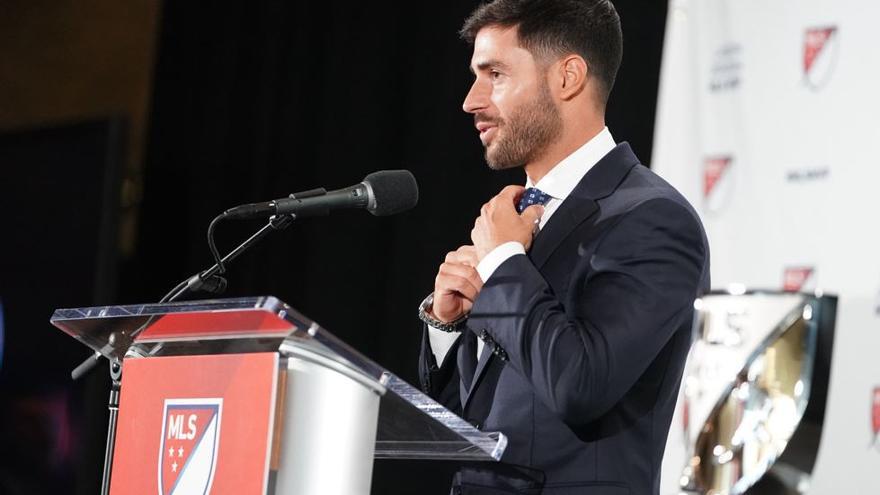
532, 196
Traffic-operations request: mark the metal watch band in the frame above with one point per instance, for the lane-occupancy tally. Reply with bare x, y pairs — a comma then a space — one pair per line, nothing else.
424, 315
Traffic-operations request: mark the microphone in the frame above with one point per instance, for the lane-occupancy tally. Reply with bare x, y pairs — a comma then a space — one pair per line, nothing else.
382, 193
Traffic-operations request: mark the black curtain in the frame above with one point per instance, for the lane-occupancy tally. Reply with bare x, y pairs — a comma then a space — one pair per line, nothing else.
255, 100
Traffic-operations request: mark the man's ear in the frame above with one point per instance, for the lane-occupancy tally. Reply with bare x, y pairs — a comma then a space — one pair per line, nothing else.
573, 72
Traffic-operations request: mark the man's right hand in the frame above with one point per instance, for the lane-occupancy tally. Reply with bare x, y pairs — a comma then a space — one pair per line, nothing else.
457, 284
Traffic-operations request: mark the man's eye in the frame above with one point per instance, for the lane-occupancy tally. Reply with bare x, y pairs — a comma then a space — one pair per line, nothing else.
494, 74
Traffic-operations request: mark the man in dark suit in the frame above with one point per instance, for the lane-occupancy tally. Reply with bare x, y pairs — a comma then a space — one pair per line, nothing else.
567, 323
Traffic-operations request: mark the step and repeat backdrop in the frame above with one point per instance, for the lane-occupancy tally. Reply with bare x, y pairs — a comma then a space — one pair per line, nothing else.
769, 122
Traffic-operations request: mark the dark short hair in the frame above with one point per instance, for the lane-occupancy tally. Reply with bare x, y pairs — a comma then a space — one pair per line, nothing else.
553, 28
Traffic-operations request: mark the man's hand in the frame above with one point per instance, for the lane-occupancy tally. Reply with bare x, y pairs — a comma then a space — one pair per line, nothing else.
457, 284
499, 222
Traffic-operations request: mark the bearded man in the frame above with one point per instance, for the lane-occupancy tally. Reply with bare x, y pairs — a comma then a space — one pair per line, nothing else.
567, 323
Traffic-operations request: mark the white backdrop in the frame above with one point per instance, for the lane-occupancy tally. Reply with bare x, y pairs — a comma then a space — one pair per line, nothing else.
768, 115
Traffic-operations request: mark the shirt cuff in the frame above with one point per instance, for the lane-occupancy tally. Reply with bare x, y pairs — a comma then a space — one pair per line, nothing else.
497, 256
440, 343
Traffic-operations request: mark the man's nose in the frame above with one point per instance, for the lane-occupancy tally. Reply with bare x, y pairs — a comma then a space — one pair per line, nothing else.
477, 98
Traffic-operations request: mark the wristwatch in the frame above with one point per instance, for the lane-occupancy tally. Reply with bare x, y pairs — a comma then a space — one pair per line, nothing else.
425, 315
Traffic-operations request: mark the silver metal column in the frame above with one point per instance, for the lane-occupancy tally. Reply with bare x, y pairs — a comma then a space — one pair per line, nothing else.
329, 420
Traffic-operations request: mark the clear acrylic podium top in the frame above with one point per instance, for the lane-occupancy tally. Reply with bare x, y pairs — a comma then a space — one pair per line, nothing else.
411, 424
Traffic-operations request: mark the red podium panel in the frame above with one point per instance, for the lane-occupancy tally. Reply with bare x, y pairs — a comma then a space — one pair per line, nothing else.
249, 323
195, 424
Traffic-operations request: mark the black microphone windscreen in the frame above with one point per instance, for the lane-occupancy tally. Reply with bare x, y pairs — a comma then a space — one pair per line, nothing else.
394, 191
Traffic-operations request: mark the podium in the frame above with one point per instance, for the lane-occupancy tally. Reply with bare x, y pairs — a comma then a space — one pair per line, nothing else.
249, 396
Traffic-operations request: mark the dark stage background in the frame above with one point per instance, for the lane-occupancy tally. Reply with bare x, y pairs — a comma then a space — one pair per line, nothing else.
255, 100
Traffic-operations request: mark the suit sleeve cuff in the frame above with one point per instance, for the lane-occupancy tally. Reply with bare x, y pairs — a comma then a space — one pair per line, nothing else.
497, 256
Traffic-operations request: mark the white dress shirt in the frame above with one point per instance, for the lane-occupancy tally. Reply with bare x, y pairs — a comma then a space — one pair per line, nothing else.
558, 184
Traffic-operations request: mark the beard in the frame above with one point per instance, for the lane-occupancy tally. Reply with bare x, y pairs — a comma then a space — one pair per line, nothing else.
526, 133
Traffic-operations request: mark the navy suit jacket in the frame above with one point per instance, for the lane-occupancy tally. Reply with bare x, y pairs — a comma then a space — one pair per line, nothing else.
588, 335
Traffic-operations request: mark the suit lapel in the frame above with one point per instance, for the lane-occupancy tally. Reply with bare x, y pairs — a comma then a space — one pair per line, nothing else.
580, 205
485, 357
569, 215
599, 182
467, 363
